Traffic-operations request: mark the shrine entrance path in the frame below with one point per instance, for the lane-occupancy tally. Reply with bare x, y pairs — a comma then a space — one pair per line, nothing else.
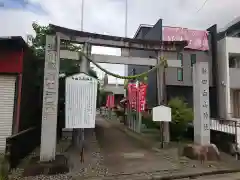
124, 155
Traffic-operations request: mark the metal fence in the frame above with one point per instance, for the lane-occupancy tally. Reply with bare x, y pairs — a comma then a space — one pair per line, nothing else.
20, 145
224, 133
227, 126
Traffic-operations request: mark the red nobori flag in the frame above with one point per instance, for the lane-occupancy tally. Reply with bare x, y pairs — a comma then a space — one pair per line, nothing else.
132, 95
137, 96
142, 97
110, 101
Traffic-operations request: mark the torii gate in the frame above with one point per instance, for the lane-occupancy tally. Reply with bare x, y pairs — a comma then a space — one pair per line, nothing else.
53, 54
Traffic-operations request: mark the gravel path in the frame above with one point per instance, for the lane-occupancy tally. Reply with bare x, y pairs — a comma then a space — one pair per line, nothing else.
91, 167
93, 161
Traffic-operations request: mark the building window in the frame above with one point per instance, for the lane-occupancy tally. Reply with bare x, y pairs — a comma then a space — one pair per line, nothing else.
180, 74
180, 70
180, 57
193, 59
234, 61
192, 74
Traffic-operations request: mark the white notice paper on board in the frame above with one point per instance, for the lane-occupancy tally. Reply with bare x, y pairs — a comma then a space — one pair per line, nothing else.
81, 101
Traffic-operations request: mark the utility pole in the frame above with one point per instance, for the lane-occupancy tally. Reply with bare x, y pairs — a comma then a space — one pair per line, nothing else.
78, 134
126, 28
166, 133
82, 17
84, 68
162, 99
126, 17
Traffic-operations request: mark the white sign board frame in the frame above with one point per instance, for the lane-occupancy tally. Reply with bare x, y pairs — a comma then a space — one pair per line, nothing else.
81, 101
162, 113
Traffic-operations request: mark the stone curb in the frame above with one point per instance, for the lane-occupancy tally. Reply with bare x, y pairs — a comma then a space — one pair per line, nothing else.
195, 175
168, 177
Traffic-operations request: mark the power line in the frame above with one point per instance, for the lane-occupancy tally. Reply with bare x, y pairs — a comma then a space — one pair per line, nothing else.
126, 31
205, 2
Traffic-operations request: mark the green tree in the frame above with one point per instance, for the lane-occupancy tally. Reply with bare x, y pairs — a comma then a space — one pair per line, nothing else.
182, 115
68, 67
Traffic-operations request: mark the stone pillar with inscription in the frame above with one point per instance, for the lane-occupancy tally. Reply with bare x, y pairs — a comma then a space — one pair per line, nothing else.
50, 99
201, 103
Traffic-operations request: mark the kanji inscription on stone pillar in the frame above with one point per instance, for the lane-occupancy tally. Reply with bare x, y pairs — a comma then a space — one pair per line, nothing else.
201, 103
50, 100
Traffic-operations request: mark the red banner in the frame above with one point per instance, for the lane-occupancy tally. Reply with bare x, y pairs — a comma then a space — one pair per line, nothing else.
137, 96
197, 39
110, 101
142, 97
132, 95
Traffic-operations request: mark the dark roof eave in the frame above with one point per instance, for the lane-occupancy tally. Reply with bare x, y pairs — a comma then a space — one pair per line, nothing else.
72, 32
142, 26
13, 41
229, 30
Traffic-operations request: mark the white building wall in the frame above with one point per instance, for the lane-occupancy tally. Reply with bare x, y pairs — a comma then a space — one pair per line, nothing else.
226, 46
115, 89
233, 44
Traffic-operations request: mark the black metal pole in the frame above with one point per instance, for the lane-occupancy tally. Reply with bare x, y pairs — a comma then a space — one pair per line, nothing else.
161, 101
82, 145
84, 68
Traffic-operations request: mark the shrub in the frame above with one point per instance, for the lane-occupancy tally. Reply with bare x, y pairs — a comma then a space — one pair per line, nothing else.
119, 111
4, 167
182, 115
148, 122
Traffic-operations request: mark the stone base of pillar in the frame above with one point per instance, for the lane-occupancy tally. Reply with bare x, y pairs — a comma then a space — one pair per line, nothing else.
203, 153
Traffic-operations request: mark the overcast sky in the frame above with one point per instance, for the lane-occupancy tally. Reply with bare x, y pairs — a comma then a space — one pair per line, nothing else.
108, 16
